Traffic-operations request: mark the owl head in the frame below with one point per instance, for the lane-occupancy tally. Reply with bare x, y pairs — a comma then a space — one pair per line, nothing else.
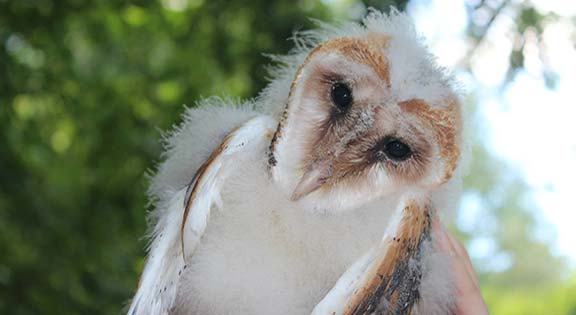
368, 114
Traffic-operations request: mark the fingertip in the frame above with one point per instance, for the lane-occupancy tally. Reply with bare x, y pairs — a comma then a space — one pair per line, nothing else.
440, 236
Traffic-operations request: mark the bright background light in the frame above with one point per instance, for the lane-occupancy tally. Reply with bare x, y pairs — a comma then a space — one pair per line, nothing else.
530, 126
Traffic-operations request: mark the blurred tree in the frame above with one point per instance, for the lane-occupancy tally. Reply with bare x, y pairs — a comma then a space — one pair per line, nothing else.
519, 274
527, 28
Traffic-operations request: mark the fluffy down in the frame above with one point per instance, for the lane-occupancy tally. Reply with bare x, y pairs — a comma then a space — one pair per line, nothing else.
261, 253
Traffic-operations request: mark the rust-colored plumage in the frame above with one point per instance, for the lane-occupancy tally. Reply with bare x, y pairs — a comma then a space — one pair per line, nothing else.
396, 277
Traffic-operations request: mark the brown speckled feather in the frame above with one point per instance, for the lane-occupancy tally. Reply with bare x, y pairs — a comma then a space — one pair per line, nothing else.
392, 287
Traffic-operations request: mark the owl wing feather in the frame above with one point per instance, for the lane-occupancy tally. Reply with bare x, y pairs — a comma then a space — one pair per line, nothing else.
383, 281
183, 222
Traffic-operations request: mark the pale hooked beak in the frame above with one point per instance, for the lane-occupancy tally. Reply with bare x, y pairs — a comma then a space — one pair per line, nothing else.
316, 175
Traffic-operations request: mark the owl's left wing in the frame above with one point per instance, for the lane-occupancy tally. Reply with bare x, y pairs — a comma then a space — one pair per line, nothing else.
386, 280
181, 225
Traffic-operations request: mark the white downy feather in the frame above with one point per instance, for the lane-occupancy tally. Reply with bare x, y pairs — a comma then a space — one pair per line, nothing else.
264, 254
160, 280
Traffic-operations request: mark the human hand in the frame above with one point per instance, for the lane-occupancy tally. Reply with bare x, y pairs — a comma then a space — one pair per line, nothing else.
469, 299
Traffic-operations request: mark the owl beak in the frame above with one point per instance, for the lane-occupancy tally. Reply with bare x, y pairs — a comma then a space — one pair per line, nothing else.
316, 175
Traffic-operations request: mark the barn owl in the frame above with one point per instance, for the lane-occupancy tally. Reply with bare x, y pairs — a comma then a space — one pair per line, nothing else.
317, 196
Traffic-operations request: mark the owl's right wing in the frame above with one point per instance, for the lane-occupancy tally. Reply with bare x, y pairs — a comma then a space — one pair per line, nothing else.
183, 219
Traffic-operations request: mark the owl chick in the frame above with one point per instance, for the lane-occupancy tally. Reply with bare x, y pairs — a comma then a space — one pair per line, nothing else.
323, 187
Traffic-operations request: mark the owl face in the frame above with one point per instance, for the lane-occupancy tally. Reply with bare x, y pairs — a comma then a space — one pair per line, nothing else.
351, 132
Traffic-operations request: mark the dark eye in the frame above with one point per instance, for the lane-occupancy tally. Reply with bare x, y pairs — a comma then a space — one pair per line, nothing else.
397, 150
341, 95
393, 149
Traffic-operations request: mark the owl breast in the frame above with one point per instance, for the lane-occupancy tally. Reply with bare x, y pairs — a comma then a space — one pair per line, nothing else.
263, 254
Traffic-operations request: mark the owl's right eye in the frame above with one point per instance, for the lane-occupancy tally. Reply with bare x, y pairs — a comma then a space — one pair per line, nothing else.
341, 95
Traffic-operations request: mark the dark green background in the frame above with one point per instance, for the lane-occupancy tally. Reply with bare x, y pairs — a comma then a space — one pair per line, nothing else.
85, 87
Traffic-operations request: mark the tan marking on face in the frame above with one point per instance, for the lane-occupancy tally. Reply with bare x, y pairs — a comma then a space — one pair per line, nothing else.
275, 137
357, 160
446, 123
367, 51
382, 279
414, 168
361, 50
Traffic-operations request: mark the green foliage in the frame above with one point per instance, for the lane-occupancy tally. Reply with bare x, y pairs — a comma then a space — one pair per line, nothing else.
84, 88
532, 300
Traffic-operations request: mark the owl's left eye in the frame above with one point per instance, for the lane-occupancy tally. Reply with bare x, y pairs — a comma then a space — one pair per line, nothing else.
341, 95
393, 149
397, 150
